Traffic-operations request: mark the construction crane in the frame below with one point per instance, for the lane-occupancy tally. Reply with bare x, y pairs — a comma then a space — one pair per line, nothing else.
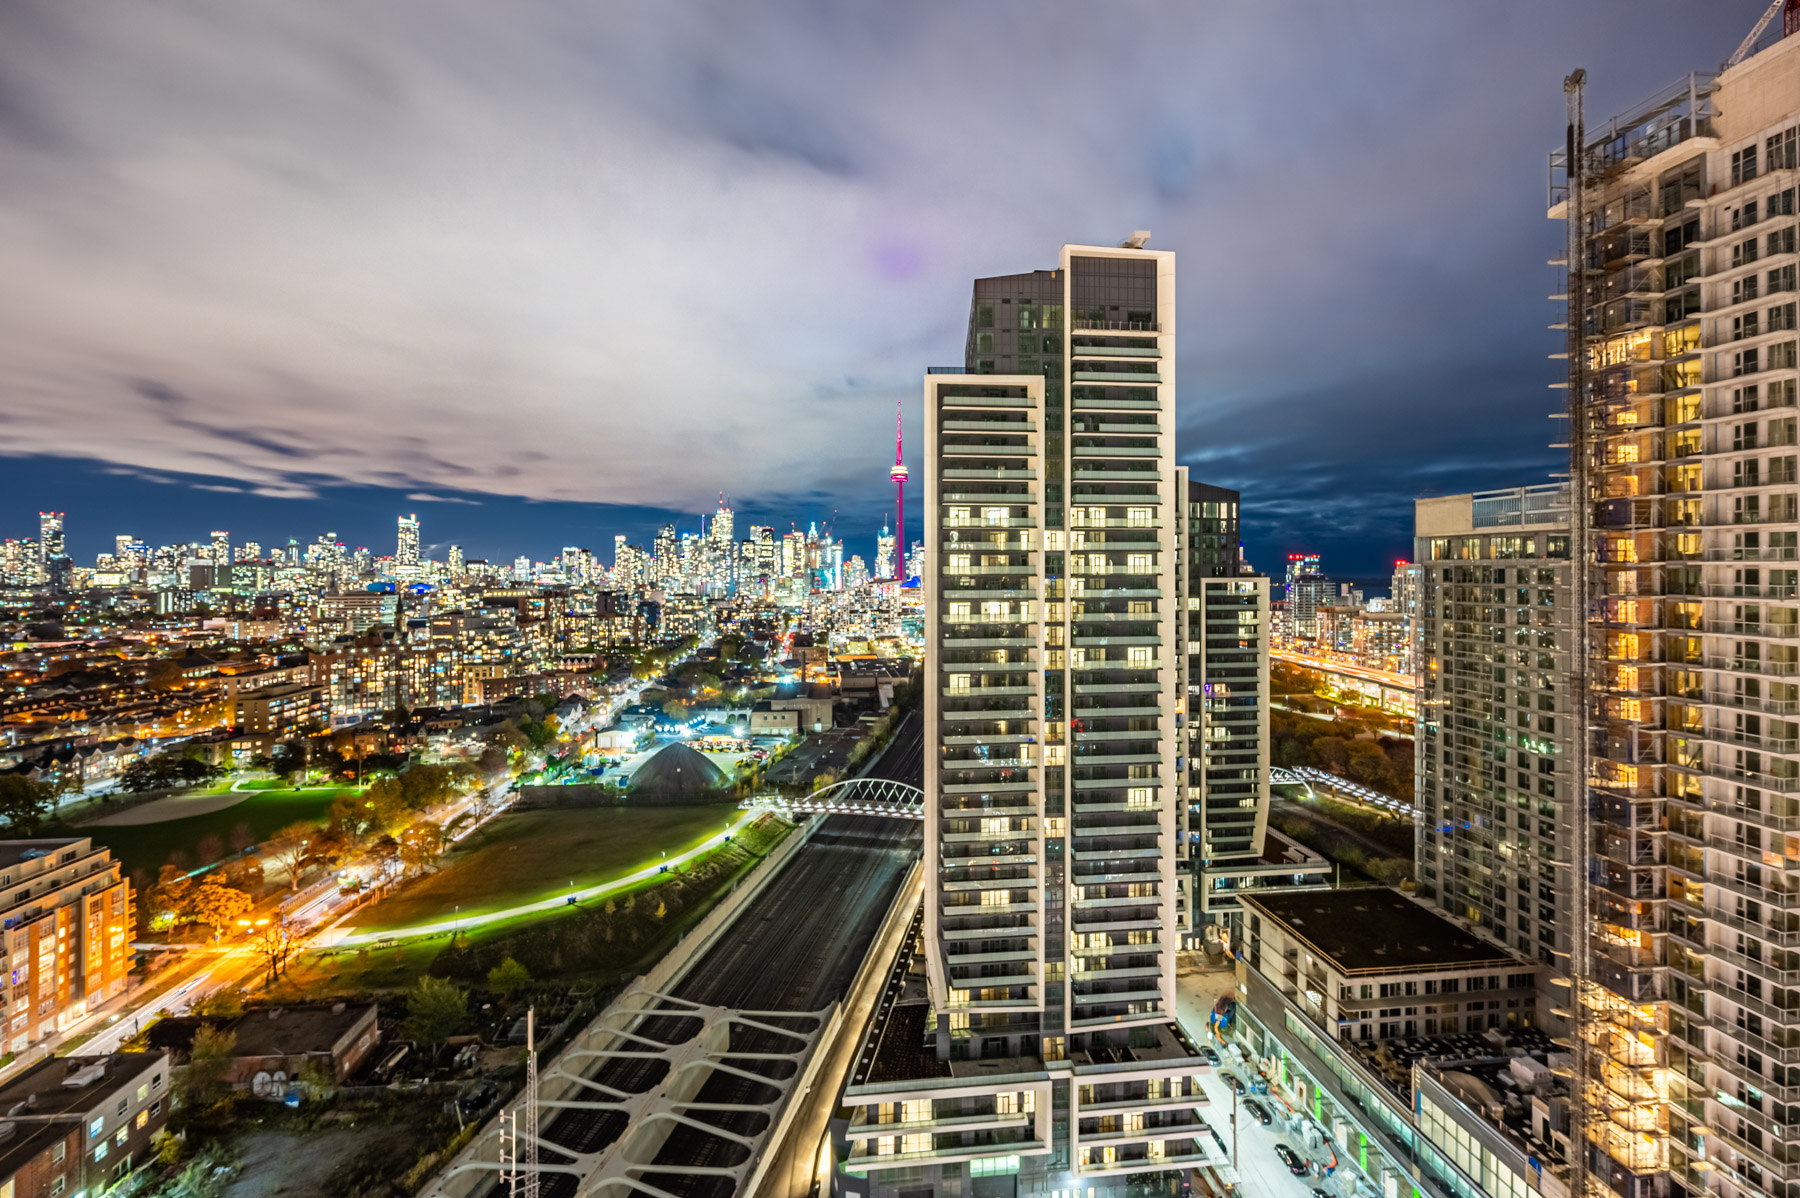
1790, 22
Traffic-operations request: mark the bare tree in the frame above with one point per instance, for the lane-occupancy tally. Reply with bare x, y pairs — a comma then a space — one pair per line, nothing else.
290, 848
275, 942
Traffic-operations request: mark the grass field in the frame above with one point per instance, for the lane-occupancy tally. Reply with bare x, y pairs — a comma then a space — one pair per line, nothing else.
532, 855
145, 847
589, 941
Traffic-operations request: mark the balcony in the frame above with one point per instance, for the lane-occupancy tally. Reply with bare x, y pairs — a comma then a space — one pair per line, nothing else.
1732, 773
1081, 323
1750, 665
1752, 702
1751, 553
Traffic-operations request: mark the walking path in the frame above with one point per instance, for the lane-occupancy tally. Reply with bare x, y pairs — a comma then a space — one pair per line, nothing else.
159, 811
341, 939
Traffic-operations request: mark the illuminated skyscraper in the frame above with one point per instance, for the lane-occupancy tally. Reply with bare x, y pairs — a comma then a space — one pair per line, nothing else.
406, 551
1054, 789
50, 541
220, 554
884, 554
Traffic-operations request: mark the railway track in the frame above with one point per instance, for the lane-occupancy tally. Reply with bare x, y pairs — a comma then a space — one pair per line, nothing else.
796, 947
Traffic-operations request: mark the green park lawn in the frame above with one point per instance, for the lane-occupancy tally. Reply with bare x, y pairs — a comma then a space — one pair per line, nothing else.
146, 847
588, 942
530, 855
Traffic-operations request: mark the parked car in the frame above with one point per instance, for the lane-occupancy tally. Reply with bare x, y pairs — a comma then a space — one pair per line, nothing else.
1212, 1057
1258, 1111
1291, 1159
1218, 1139
1316, 1192
1236, 1083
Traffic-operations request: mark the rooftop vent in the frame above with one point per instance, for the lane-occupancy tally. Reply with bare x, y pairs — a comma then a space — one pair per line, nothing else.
83, 1077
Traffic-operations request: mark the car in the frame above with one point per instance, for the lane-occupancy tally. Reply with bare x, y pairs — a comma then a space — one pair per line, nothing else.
1258, 1111
1218, 1139
1236, 1083
1316, 1192
1212, 1057
1291, 1159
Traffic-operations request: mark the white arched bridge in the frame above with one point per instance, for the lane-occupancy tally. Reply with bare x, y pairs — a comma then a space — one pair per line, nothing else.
852, 796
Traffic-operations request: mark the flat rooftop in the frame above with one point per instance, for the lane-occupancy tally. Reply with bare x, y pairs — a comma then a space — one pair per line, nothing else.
1375, 930
14, 851
64, 1085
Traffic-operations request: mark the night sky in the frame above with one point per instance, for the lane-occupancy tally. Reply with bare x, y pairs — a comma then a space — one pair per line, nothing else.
543, 272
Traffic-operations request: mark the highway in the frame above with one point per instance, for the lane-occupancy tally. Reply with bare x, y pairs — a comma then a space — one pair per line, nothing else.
1385, 677
796, 947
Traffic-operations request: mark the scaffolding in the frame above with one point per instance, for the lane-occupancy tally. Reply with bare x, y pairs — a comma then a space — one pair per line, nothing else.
1621, 526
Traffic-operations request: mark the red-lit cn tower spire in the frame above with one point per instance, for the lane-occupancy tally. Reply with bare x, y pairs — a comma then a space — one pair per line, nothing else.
898, 474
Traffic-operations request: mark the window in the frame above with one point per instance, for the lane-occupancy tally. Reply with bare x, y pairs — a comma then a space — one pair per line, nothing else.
97, 1128
1779, 150
1743, 165
1140, 563
143, 1120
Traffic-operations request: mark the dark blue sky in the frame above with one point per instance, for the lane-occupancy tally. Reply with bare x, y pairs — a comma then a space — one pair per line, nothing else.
582, 266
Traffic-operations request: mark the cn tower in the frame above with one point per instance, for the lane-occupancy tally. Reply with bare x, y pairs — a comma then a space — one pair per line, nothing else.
898, 474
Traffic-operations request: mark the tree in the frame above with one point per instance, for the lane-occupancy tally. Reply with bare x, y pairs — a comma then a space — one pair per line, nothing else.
168, 770
436, 1009
675, 709
288, 759
245, 873
421, 844
425, 786
168, 899
275, 943
1369, 765
209, 1062
23, 802
316, 1080
508, 976
291, 849
328, 847
210, 848
217, 905
1332, 753
351, 816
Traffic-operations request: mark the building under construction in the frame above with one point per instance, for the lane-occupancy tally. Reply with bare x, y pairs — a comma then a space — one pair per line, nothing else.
1686, 876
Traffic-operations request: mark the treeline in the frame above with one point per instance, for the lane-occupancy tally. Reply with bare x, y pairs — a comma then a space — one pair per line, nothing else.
1344, 747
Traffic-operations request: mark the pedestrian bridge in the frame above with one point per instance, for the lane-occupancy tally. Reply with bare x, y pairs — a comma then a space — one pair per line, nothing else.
852, 796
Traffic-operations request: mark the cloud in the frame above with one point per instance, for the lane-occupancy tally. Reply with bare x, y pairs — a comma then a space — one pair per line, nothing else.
632, 254
427, 497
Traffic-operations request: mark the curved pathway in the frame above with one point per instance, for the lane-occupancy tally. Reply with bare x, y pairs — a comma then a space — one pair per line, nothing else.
461, 924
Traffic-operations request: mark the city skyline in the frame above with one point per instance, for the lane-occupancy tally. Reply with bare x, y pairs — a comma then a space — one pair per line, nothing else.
1329, 434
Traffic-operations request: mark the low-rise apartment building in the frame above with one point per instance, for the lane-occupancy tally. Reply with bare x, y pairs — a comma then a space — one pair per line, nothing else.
276, 712
66, 920
81, 1124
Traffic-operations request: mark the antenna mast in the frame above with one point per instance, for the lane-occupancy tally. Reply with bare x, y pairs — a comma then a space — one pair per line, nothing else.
898, 474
